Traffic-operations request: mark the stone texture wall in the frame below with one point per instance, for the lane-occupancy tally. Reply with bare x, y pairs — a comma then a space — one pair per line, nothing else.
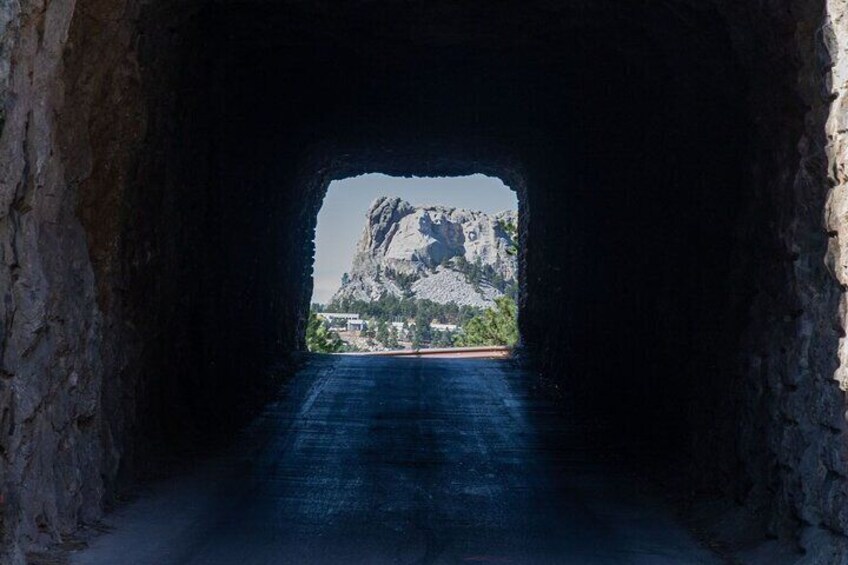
50, 443
830, 476
99, 249
162, 164
781, 406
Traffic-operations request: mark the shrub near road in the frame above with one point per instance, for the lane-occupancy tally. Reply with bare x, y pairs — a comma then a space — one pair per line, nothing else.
495, 326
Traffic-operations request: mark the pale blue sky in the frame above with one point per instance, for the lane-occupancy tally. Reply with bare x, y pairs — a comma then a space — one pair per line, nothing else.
342, 215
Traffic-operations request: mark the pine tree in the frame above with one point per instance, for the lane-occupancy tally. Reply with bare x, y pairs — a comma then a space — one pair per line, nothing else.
495, 326
421, 335
392, 342
382, 333
319, 339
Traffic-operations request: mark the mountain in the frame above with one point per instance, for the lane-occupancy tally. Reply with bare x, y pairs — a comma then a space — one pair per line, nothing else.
432, 252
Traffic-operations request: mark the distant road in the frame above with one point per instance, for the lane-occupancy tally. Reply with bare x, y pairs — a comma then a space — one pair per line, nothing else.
487, 352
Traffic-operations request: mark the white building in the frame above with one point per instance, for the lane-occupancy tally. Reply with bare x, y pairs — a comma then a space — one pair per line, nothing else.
356, 325
443, 327
330, 316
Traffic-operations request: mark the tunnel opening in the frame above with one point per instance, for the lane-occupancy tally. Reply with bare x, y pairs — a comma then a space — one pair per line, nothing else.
411, 264
164, 165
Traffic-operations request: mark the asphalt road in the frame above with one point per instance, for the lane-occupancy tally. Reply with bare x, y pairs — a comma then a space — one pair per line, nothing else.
383, 460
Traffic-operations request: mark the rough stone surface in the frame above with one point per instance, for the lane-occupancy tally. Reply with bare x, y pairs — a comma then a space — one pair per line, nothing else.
680, 167
422, 244
50, 445
446, 285
74, 372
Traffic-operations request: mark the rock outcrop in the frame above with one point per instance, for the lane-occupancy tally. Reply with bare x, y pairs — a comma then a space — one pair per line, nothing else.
433, 253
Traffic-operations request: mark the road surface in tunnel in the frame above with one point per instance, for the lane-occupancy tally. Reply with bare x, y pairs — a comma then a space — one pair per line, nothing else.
382, 460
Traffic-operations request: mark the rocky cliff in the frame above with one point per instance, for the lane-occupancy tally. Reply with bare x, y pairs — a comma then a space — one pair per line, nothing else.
432, 252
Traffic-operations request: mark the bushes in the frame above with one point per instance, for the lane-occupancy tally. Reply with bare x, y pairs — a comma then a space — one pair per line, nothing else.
319, 339
495, 326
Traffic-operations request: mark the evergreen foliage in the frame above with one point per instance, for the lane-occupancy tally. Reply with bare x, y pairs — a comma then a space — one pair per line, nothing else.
495, 326
382, 332
511, 231
442, 339
421, 334
390, 308
403, 280
477, 274
319, 339
392, 342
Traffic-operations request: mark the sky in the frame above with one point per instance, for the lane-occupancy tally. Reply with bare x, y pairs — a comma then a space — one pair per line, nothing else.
342, 216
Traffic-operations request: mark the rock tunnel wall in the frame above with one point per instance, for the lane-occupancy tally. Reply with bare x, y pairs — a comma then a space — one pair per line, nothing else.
790, 421
52, 454
163, 163
104, 156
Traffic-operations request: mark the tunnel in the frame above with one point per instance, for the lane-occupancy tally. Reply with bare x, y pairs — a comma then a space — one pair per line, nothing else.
679, 172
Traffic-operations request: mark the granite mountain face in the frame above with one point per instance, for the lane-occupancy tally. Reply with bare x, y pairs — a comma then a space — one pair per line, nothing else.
434, 253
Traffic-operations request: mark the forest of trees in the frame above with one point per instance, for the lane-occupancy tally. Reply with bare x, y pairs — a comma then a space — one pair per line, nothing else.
390, 308
492, 326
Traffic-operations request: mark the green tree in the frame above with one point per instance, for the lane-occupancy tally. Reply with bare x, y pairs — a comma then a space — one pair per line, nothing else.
443, 338
436, 339
421, 333
511, 231
495, 326
319, 339
382, 332
392, 342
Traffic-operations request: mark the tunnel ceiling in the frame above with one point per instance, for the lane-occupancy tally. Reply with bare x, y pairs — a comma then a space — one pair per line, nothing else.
465, 71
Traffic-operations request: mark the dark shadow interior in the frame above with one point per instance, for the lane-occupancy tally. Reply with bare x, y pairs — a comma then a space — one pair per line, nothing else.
628, 144
654, 147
